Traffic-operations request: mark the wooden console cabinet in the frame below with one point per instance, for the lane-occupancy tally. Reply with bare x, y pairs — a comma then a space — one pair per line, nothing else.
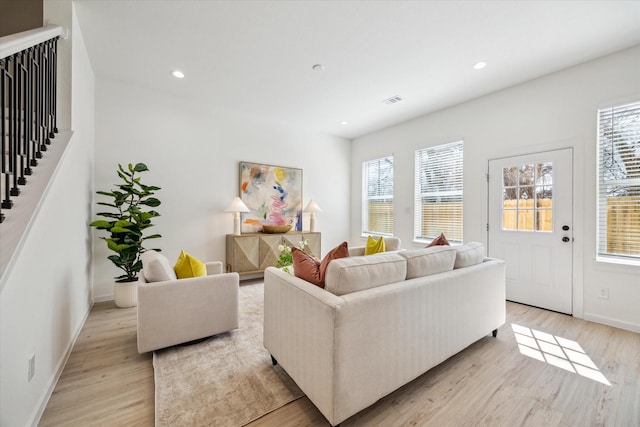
254, 252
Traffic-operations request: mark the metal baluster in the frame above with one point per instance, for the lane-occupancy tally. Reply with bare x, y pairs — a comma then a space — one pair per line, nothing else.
55, 84
47, 91
13, 125
22, 180
6, 203
25, 145
35, 151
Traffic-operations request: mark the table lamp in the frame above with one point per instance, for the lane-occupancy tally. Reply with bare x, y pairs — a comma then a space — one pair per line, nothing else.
237, 206
311, 209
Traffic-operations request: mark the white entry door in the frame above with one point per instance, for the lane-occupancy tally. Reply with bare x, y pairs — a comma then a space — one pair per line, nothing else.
530, 226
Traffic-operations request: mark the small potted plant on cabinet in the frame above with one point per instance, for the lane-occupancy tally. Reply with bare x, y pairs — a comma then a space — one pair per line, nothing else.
126, 221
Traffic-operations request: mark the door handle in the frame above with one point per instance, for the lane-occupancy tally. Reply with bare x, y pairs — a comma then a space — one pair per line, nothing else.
565, 239
565, 227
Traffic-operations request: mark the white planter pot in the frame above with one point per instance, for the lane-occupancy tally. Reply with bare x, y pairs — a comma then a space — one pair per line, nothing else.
126, 294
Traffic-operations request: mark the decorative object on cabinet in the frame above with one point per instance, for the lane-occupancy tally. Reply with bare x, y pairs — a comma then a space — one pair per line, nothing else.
273, 229
254, 252
311, 209
273, 195
237, 206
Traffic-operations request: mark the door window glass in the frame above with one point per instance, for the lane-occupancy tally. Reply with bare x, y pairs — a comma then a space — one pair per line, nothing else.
527, 197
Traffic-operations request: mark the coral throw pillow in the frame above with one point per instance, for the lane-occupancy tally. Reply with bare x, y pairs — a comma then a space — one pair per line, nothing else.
374, 246
188, 266
439, 241
310, 269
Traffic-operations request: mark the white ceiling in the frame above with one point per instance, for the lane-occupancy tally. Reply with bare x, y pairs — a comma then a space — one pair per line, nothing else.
257, 56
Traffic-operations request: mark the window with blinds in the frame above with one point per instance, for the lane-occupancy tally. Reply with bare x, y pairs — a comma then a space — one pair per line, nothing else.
438, 191
377, 196
618, 224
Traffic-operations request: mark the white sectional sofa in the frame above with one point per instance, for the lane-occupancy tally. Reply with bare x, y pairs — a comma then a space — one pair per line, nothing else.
381, 321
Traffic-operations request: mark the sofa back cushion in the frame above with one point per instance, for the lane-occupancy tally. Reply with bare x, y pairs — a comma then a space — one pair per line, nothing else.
470, 254
431, 260
156, 267
358, 273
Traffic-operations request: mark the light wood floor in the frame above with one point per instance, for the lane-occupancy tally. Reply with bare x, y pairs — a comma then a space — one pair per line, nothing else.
491, 383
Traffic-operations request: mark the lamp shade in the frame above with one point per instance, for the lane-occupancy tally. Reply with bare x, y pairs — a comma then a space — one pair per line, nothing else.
312, 207
237, 205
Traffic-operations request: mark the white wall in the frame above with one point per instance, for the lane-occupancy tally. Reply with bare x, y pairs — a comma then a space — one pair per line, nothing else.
555, 111
47, 294
193, 152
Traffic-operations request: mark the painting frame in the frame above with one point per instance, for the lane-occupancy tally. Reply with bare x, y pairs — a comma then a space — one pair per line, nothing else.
273, 195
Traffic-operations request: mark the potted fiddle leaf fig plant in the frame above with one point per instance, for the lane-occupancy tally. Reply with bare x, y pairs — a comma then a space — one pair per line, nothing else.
130, 215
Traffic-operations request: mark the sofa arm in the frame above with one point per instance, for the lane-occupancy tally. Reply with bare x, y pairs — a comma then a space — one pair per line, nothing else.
214, 267
178, 311
299, 331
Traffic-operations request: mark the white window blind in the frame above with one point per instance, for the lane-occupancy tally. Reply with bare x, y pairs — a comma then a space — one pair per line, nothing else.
377, 196
438, 191
618, 224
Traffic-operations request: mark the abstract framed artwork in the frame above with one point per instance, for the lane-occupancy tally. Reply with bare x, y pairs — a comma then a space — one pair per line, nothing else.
273, 195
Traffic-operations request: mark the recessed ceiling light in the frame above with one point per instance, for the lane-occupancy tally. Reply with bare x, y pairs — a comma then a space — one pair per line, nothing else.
479, 65
343, 123
318, 67
177, 74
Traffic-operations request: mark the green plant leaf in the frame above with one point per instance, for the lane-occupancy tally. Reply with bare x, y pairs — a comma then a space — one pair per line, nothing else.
101, 224
111, 244
123, 223
140, 167
153, 236
105, 193
108, 215
150, 187
111, 205
151, 201
116, 229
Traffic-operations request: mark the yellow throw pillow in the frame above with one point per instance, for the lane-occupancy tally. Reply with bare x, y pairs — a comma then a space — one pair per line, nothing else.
374, 246
189, 266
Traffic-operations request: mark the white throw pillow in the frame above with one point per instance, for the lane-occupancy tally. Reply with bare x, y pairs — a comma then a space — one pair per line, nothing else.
156, 267
470, 254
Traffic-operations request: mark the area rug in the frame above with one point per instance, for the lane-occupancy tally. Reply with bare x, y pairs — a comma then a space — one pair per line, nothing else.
226, 380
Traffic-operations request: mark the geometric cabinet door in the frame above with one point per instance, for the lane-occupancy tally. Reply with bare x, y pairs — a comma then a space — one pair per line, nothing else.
254, 252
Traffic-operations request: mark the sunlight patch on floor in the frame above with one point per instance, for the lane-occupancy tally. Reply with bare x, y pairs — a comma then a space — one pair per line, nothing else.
557, 351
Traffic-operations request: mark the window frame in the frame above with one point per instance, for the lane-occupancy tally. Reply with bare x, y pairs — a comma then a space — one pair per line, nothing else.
457, 194
366, 198
605, 181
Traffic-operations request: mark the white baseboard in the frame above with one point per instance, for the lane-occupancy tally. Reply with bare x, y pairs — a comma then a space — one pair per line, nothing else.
44, 400
612, 322
104, 298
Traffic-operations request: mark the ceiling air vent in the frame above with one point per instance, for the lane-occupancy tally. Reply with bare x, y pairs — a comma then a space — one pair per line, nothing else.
393, 100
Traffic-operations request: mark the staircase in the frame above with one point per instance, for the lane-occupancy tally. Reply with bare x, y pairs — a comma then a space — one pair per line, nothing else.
28, 68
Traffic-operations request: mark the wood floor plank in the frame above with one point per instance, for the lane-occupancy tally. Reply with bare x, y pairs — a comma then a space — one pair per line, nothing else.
106, 381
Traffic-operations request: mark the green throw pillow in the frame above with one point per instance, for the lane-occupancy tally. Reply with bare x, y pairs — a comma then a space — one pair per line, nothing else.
188, 266
374, 246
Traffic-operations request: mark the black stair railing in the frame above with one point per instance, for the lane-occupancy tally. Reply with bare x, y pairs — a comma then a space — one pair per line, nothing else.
28, 115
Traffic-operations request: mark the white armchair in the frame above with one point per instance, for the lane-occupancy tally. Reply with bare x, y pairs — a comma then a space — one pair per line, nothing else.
173, 311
